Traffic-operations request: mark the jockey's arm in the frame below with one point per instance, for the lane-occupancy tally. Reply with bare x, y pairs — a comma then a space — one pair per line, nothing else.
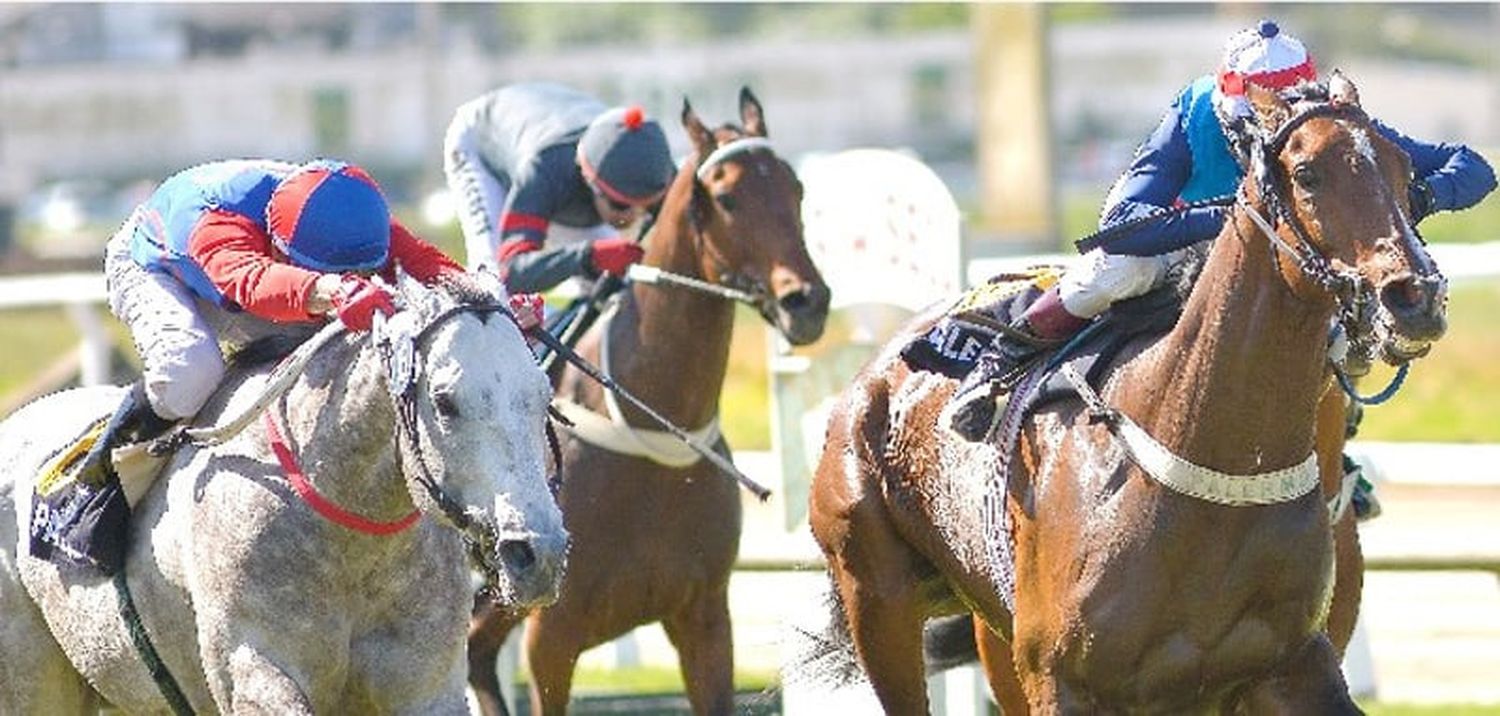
425, 262
1457, 176
525, 266
1154, 181
237, 257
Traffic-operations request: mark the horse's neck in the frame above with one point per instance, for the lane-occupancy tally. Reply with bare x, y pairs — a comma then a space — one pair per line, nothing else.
668, 345
341, 428
1235, 385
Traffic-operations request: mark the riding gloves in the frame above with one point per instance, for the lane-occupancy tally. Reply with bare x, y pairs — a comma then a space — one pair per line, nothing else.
615, 254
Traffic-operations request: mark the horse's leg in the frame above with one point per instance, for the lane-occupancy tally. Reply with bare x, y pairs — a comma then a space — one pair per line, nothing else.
35, 675
1349, 562
873, 567
885, 621
705, 650
1309, 683
1348, 585
552, 650
1000, 670
487, 633
259, 686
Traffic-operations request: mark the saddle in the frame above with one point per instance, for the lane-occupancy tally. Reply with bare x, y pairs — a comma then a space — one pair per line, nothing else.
74, 522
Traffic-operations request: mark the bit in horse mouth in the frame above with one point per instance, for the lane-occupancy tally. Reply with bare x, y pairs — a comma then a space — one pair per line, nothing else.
1398, 349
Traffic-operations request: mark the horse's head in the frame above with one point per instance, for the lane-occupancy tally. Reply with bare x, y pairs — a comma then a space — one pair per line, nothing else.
471, 408
1338, 190
747, 207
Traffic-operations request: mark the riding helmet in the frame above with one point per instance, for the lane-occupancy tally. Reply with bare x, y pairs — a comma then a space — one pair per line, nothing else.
330, 216
625, 156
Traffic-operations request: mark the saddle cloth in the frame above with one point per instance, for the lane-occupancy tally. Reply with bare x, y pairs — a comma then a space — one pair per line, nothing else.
953, 344
83, 524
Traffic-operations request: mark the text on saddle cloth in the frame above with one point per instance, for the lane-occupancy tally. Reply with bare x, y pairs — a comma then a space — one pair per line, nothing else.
81, 524
953, 345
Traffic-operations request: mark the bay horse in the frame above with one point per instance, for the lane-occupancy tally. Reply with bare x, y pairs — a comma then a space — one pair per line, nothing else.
655, 534
1149, 573
317, 560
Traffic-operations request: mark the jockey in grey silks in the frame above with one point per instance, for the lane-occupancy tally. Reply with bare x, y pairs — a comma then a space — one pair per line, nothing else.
535, 160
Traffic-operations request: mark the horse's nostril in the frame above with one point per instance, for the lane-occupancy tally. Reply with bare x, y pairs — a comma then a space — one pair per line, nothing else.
517, 555
1402, 295
798, 300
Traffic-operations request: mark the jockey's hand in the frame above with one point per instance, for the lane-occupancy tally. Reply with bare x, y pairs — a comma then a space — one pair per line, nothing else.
357, 300
1419, 194
528, 310
615, 254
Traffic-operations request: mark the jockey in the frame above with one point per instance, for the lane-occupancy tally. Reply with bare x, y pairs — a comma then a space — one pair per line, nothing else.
529, 161
1188, 158
242, 246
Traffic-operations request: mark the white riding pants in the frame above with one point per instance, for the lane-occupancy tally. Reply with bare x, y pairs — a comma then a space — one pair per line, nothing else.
1097, 279
179, 350
479, 197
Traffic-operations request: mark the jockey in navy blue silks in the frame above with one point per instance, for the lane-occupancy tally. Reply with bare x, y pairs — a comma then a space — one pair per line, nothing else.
1186, 159
531, 161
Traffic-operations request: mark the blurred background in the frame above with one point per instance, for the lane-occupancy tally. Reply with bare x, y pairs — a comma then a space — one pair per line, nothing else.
1026, 113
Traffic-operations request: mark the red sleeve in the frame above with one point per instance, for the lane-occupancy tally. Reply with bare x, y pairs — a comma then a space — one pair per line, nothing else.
422, 260
238, 258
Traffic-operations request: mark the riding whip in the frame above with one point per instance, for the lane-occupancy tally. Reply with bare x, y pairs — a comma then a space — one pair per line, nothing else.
1117, 231
578, 317
561, 349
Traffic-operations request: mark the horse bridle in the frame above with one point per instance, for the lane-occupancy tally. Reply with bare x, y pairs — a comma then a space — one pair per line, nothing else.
400, 360
1355, 296
731, 285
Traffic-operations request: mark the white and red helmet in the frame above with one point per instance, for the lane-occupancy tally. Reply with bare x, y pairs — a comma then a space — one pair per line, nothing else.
1262, 55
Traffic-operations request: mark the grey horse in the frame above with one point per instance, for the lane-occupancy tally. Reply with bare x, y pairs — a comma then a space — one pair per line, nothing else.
254, 600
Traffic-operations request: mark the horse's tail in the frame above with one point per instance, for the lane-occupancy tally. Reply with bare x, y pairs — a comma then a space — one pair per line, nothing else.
822, 653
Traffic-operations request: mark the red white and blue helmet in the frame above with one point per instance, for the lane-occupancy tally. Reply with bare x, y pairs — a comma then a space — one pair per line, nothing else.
330, 216
1264, 56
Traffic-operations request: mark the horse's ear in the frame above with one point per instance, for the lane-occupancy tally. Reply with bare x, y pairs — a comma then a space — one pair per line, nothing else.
1270, 109
752, 117
1342, 90
703, 140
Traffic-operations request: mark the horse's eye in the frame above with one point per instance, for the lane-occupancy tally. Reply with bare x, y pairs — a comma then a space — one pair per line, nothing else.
1305, 177
726, 201
446, 404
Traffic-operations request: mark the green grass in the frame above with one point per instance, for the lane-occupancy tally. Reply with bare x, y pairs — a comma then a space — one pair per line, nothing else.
653, 680
1451, 395
1375, 708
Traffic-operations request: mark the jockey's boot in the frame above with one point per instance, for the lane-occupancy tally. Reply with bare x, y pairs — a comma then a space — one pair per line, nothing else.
133, 421
1045, 324
1362, 499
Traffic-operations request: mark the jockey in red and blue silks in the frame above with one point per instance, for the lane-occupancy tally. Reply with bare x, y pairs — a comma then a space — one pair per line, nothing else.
225, 252
1186, 159
536, 161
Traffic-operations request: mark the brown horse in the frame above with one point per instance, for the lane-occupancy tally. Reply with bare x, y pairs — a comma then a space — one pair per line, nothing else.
654, 542
1130, 593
